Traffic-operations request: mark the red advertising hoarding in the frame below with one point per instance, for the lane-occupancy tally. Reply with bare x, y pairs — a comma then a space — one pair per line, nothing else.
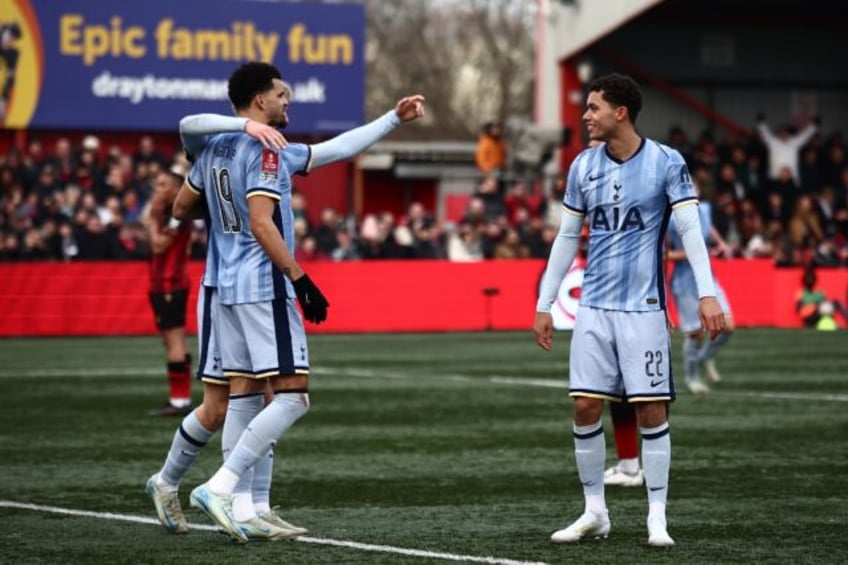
49, 299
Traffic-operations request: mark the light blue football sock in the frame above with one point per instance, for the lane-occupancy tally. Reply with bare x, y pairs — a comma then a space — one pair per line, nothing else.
590, 453
189, 439
265, 429
240, 411
261, 485
656, 461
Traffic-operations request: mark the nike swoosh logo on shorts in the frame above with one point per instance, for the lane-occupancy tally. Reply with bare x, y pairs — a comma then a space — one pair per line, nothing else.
657, 383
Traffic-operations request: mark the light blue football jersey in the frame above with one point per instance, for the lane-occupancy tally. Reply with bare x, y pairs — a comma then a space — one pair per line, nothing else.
628, 205
683, 277
230, 169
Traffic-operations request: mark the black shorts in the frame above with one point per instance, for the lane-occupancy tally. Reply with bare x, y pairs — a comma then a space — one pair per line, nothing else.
169, 308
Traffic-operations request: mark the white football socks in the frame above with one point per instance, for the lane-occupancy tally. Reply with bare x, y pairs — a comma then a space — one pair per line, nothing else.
590, 454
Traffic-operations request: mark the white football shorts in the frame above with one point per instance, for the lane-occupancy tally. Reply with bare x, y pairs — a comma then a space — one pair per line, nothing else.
621, 355
262, 339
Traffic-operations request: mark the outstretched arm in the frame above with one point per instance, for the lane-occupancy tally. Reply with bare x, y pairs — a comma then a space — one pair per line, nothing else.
196, 129
803, 136
355, 141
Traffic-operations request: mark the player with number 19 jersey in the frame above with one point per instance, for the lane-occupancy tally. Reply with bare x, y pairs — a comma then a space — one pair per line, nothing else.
232, 168
628, 207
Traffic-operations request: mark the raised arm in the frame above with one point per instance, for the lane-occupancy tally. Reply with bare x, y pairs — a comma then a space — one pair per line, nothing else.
765, 132
803, 136
355, 141
196, 129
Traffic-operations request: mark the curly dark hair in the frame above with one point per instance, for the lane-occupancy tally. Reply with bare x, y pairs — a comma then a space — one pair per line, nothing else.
249, 80
619, 90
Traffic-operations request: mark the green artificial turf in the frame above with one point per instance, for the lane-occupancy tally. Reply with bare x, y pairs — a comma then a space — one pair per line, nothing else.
454, 444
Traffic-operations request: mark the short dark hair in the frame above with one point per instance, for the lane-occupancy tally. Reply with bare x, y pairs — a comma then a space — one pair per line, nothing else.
620, 90
249, 80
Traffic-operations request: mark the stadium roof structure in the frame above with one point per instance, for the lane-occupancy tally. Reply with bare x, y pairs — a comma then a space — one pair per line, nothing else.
717, 62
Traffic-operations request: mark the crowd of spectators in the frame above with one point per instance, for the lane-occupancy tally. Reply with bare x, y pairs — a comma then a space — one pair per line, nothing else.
67, 204
780, 195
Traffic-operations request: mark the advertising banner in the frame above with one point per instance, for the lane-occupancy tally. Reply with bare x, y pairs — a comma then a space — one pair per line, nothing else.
54, 299
107, 65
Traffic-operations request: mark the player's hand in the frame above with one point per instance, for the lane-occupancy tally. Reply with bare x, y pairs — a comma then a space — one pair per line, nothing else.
712, 318
311, 300
269, 136
543, 329
410, 108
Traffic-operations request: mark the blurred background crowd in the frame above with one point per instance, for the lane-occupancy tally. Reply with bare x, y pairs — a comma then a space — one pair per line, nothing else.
781, 194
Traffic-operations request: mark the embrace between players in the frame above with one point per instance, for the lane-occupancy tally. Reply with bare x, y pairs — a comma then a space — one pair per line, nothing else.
253, 354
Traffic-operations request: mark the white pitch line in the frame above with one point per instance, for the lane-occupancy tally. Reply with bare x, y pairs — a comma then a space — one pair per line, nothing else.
371, 373
318, 541
544, 383
419, 552
89, 514
82, 372
788, 395
751, 394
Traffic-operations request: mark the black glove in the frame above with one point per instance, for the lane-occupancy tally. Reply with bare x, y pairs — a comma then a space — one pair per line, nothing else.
311, 300
761, 117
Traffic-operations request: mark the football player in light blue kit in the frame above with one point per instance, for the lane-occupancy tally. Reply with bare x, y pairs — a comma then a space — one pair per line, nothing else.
627, 187
261, 334
198, 427
696, 350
